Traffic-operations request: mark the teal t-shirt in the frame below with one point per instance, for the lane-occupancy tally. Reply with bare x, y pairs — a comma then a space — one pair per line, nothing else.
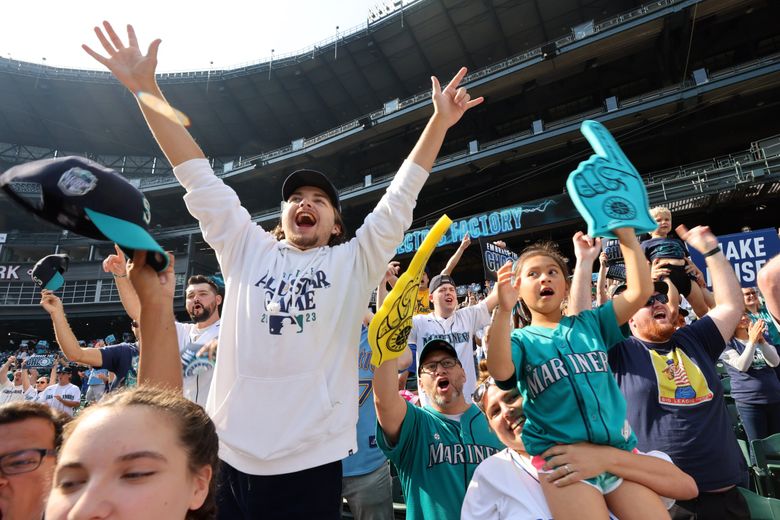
436, 458
569, 392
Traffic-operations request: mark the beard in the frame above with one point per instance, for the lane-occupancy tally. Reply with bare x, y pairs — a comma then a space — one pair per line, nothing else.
204, 315
442, 401
657, 332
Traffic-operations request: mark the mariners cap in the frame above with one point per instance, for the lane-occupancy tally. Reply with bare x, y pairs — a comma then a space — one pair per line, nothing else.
94, 201
64, 370
300, 178
435, 345
47, 273
659, 287
439, 280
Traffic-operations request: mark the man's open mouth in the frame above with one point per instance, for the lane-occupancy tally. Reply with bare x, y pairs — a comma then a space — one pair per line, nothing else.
443, 384
659, 315
305, 219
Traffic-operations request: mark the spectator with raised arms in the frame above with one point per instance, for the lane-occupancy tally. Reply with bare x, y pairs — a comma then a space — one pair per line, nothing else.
298, 294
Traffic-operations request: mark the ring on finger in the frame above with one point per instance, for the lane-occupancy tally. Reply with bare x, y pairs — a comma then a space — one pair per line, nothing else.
568, 469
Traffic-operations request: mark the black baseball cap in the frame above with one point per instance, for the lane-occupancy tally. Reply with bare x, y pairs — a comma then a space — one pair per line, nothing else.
64, 370
89, 199
314, 178
439, 280
658, 287
435, 345
47, 273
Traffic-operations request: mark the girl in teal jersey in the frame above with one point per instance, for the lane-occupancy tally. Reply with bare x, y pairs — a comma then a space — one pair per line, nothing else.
559, 364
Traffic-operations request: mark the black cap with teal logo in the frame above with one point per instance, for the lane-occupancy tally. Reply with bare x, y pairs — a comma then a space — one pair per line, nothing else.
89, 199
48, 272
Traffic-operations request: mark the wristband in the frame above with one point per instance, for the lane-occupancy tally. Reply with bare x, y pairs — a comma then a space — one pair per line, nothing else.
711, 252
125, 276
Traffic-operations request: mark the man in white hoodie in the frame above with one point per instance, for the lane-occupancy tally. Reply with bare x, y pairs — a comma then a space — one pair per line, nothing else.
283, 394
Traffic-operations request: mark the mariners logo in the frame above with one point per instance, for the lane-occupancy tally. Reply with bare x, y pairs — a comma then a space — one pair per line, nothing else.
619, 208
197, 367
77, 182
147, 215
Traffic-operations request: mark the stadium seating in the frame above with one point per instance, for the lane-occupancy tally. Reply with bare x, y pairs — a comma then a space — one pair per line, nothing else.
766, 454
761, 508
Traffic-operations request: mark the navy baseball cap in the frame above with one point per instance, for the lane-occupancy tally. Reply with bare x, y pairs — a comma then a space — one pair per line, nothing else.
435, 345
47, 273
439, 280
300, 178
91, 200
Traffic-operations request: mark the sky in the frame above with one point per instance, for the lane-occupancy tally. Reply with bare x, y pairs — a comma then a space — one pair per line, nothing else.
196, 35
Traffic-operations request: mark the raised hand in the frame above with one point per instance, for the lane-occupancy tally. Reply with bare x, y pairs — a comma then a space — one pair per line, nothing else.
586, 248
659, 270
700, 238
115, 264
391, 274
607, 189
149, 284
132, 68
209, 350
508, 288
465, 242
451, 103
51, 303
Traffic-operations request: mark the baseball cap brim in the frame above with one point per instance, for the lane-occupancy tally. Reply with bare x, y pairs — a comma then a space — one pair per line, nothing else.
313, 178
57, 280
129, 237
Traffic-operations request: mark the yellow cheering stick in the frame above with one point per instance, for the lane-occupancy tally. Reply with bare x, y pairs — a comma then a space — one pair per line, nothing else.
389, 330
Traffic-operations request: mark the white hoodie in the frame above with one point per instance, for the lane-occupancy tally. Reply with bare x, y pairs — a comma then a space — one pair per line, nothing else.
283, 396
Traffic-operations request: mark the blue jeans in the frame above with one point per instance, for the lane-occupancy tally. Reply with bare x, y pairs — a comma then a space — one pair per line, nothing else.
370, 496
759, 420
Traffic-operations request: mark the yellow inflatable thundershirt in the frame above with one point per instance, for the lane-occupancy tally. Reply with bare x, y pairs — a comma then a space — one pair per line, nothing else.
389, 330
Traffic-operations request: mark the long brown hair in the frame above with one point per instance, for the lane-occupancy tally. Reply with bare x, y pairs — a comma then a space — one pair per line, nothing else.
195, 431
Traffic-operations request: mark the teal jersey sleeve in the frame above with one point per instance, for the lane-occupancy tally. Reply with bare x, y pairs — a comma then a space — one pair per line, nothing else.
607, 322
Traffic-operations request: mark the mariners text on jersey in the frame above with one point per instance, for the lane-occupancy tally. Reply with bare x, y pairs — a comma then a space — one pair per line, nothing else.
453, 454
540, 377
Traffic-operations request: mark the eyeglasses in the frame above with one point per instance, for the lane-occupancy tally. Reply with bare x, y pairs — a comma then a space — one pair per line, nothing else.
749, 293
23, 461
430, 368
660, 298
41, 382
479, 394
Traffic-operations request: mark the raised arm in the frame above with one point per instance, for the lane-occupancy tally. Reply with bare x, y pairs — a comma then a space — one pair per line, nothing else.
390, 406
391, 276
499, 358
639, 285
158, 363
586, 250
455, 258
729, 303
65, 337
4, 369
117, 266
136, 72
601, 281
769, 284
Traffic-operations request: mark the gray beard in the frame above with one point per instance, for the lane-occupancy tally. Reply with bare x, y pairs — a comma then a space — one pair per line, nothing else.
441, 402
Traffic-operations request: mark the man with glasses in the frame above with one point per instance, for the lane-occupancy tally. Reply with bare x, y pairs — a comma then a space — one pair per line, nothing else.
29, 438
20, 388
437, 447
673, 392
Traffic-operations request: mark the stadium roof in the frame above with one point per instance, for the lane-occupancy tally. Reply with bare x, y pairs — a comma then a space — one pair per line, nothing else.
261, 107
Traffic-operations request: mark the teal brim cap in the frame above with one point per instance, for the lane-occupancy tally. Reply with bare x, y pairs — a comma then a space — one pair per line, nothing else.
129, 237
55, 283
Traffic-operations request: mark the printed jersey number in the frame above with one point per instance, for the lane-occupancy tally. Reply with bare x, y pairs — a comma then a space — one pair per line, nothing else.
365, 386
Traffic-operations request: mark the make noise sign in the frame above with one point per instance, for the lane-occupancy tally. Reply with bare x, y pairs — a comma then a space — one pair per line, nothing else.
493, 257
747, 252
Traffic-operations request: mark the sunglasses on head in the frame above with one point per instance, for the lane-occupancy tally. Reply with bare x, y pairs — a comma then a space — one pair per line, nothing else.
479, 394
660, 298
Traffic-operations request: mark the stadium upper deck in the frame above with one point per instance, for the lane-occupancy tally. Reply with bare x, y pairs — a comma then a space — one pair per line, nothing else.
680, 82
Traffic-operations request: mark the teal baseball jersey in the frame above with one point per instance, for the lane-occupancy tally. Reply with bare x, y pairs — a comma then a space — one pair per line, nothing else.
436, 458
569, 392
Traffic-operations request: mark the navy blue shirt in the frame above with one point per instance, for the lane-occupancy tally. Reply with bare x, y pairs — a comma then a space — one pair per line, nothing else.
664, 248
122, 360
758, 384
675, 402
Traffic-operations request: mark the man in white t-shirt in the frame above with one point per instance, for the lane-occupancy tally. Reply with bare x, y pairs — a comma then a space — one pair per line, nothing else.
456, 326
202, 304
17, 390
64, 396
